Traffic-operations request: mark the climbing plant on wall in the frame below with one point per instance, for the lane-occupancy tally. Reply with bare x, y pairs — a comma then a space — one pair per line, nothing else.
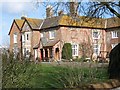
67, 51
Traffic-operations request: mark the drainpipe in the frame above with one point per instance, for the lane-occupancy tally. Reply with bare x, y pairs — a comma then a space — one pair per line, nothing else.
40, 37
21, 51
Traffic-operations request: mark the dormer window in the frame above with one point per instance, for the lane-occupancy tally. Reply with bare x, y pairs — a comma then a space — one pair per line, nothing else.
114, 34
51, 34
15, 37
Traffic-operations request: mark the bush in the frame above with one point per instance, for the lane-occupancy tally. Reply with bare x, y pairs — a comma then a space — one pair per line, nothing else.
67, 51
114, 64
73, 77
16, 73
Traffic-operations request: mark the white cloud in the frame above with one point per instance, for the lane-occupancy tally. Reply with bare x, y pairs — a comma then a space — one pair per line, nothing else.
17, 7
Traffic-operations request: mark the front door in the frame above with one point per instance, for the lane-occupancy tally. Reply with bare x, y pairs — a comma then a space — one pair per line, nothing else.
41, 50
57, 54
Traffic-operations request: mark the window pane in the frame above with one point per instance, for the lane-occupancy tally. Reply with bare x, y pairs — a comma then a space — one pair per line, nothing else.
27, 36
52, 34
95, 35
15, 38
74, 49
114, 34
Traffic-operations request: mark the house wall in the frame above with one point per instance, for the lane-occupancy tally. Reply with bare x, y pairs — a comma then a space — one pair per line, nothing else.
26, 44
15, 29
80, 36
34, 38
110, 40
45, 32
83, 36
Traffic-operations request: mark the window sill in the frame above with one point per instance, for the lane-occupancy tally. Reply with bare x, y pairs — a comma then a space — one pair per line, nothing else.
114, 37
51, 38
96, 38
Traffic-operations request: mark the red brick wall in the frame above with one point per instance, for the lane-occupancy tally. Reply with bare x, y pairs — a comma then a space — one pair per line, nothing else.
35, 40
14, 29
110, 40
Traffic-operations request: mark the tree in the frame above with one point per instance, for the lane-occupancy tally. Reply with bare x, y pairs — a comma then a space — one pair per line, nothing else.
91, 9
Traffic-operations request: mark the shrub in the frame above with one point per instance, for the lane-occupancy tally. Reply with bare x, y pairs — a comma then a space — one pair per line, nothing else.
73, 77
67, 51
114, 64
16, 73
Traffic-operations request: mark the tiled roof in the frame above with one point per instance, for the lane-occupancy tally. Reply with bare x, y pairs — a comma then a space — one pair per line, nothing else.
51, 22
34, 23
113, 22
64, 20
49, 43
80, 21
19, 22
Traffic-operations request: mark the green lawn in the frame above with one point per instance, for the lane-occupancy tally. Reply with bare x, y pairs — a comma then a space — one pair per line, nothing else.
30, 75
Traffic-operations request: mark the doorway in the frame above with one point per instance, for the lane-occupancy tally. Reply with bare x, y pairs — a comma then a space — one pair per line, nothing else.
41, 50
57, 54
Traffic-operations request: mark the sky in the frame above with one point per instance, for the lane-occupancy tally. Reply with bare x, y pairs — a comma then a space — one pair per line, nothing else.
14, 10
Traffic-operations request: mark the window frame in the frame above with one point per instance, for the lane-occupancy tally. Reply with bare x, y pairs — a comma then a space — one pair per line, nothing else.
114, 34
15, 37
75, 49
98, 37
96, 49
41, 35
27, 37
50, 34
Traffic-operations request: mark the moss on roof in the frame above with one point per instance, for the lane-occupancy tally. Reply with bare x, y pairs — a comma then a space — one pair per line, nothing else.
64, 20
34, 23
81, 21
113, 22
19, 23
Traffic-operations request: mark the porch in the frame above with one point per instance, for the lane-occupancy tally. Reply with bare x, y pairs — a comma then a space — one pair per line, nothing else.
48, 52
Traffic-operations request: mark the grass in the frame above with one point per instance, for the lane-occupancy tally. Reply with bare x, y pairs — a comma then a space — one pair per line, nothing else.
31, 75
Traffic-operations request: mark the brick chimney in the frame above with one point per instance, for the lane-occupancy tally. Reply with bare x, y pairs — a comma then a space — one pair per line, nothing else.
73, 8
49, 11
60, 13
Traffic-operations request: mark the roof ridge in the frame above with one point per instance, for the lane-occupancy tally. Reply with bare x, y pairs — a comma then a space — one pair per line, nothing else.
34, 18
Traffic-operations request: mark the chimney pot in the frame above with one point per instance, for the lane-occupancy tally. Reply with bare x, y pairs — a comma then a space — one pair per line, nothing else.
49, 11
73, 8
60, 13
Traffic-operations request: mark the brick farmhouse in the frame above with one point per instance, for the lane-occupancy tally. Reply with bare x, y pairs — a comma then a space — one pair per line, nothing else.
44, 38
